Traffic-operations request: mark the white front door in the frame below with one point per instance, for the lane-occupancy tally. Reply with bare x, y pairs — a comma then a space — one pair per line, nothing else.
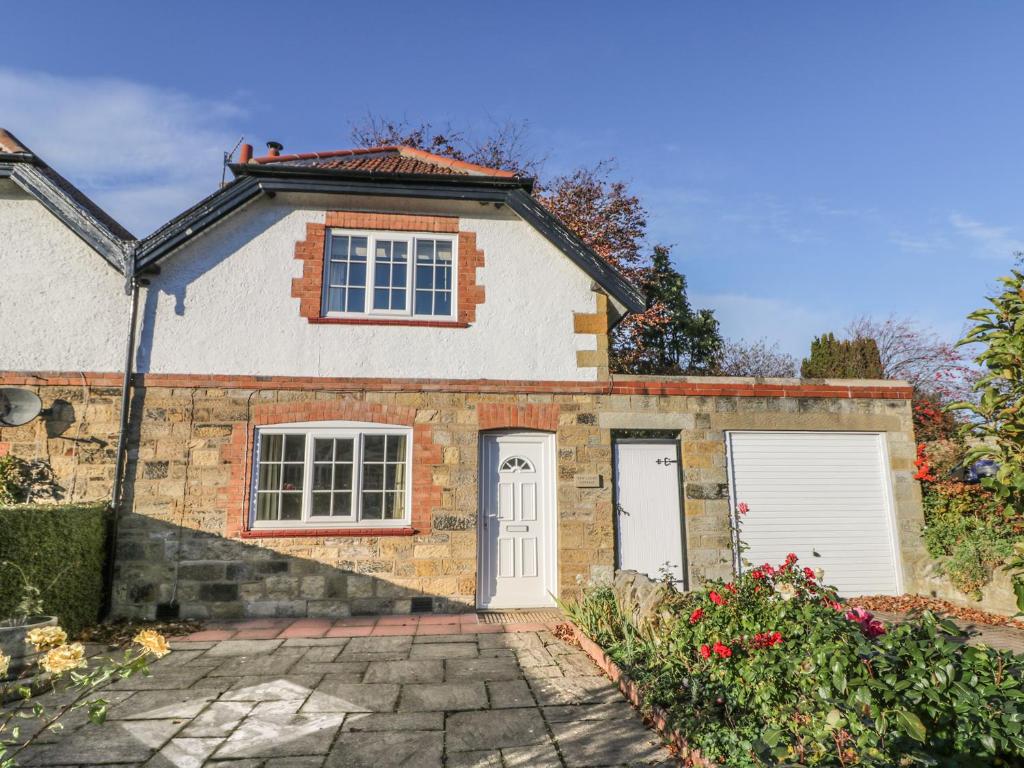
649, 518
517, 532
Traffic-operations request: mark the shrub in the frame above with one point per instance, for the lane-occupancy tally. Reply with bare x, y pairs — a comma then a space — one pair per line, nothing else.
771, 670
833, 358
13, 480
62, 550
968, 533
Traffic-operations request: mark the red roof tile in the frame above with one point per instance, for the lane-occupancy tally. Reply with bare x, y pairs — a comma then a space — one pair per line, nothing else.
396, 159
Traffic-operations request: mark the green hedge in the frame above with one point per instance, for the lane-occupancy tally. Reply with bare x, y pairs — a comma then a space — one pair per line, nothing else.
63, 542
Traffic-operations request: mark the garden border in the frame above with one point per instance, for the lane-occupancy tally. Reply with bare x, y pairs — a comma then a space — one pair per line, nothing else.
657, 716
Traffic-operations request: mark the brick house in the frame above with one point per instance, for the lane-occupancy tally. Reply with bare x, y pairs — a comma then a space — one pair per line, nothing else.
376, 381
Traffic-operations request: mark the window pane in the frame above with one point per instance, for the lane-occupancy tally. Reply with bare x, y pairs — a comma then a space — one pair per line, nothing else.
321, 503
424, 251
398, 299
343, 449
356, 300
424, 277
394, 506
323, 477
291, 506
396, 476
270, 447
396, 448
270, 477
444, 250
443, 303
372, 506
295, 448
359, 249
343, 477
339, 272
293, 474
336, 300
266, 506
373, 477
323, 450
373, 448
424, 302
381, 299
357, 275
343, 504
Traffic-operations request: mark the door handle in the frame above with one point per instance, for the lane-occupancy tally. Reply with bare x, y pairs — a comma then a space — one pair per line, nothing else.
666, 461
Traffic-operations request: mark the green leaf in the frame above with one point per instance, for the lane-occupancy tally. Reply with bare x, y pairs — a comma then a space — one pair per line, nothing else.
911, 724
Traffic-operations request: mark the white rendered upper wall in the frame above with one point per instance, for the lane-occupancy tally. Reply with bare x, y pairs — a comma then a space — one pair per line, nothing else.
62, 306
223, 304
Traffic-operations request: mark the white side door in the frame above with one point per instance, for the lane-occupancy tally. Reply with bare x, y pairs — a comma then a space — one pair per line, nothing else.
649, 519
517, 531
826, 497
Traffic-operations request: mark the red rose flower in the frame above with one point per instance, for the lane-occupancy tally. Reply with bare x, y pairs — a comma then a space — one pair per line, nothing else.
743, 508
722, 650
809, 573
716, 598
731, 587
705, 651
757, 573
696, 615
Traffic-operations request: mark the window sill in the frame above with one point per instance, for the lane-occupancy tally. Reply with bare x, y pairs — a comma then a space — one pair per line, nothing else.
387, 321
286, 533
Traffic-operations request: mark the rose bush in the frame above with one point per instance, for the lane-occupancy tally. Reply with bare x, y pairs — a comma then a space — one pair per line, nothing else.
771, 669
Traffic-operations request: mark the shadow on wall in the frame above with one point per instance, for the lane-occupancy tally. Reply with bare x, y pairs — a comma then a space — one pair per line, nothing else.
177, 553
211, 576
177, 274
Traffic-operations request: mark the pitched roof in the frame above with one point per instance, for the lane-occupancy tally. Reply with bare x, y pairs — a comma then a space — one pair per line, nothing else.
388, 159
66, 201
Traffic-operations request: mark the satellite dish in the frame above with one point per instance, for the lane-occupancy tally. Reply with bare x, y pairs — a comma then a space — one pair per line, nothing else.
18, 406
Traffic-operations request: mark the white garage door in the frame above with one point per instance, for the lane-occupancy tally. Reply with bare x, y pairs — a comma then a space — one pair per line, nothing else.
824, 496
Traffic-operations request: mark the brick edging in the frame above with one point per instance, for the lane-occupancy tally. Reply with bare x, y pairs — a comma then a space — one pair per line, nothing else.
657, 716
472, 386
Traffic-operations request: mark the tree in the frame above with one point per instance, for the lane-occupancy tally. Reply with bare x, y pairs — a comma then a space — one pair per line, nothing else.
937, 370
995, 423
668, 337
832, 358
757, 358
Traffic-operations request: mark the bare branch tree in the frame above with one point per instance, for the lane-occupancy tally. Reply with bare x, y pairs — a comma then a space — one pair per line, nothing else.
756, 358
908, 352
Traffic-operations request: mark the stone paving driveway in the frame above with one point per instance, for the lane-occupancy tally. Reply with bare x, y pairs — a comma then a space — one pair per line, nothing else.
523, 700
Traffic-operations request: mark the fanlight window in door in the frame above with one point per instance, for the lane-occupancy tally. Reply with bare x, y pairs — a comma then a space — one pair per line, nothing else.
516, 464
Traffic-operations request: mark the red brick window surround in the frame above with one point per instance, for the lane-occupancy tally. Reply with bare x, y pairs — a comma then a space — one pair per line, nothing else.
238, 453
308, 288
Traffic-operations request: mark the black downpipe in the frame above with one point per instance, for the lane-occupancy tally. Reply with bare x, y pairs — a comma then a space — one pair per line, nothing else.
120, 462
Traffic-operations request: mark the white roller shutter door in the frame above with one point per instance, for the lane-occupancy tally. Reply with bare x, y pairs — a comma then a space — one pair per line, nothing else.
822, 495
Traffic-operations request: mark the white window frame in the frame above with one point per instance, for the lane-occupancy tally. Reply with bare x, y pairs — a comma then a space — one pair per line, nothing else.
410, 238
313, 430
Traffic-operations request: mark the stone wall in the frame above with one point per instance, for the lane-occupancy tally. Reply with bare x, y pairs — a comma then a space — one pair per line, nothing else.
179, 538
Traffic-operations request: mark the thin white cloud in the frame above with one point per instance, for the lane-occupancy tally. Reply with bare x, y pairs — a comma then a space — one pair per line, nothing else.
755, 317
919, 243
990, 241
143, 153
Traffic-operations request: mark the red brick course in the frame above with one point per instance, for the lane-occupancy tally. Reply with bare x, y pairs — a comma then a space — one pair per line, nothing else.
238, 454
692, 387
501, 415
308, 288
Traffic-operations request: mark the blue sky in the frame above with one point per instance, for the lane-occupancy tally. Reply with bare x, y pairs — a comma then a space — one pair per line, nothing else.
811, 162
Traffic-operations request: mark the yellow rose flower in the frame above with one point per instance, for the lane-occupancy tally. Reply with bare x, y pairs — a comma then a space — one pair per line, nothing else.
63, 659
152, 642
5, 664
44, 638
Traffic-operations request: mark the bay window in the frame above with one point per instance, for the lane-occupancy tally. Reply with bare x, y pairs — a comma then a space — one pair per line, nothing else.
328, 474
389, 274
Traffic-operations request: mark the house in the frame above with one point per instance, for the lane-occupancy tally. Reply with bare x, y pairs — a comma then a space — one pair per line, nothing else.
377, 380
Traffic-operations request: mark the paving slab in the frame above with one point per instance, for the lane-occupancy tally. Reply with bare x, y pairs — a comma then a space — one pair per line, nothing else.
160, 705
490, 729
442, 697
510, 694
574, 690
592, 743
302, 734
127, 741
184, 752
401, 721
413, 671
218, 720
332, 696
483, 669
483, 759
536, 756
412, 749
444, 651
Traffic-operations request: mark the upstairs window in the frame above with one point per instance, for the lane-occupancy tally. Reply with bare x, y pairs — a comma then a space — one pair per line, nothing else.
330, 474
389, 274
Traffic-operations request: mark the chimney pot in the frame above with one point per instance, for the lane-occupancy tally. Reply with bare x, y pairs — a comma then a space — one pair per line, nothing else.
245, 154
274, 148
